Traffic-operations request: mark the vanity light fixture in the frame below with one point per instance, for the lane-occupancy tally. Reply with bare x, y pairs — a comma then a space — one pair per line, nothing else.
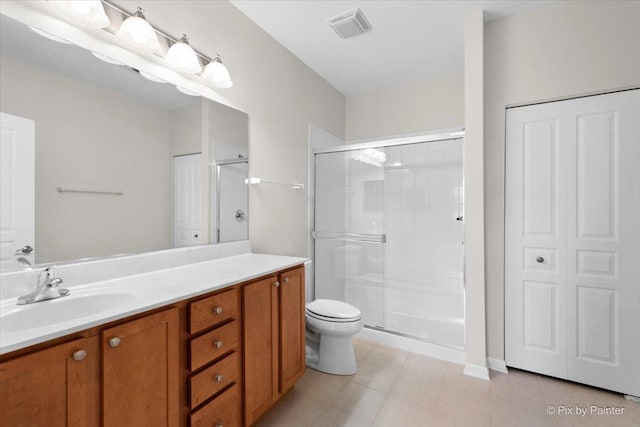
48, 35
187, 91
151, 77
107, 59
136, 32
182, 57
87, 13
217, 74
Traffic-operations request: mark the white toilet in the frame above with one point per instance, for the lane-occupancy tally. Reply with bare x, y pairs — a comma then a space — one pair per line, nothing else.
330, 326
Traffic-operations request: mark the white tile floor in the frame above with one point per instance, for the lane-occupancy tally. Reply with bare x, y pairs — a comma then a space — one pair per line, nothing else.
394, 388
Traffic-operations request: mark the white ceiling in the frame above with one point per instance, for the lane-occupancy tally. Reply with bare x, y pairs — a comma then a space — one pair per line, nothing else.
410, 40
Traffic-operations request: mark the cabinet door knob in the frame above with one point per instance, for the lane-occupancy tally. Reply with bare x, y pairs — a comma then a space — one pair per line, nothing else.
218, 378
286, 280
79, 355
217, 344
114, 342
540, 260
217, 310
276, 284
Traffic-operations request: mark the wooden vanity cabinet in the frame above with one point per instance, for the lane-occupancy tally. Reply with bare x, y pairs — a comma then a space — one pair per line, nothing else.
274, 347
57, 386
140, 366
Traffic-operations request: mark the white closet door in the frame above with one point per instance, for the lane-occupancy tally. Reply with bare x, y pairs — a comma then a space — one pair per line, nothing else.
572, 242
535, 281
187, 201
603, 178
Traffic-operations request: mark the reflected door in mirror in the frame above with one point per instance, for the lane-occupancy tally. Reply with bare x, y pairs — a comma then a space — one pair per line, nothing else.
17, 211
187, 200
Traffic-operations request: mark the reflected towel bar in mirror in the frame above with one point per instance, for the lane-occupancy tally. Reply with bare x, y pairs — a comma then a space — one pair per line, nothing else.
87, 190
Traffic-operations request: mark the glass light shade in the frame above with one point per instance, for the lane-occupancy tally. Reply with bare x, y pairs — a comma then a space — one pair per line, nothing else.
181, 57
151, 77
88, 13
49, 35
136, 32
187, 91
107, 59
217, 74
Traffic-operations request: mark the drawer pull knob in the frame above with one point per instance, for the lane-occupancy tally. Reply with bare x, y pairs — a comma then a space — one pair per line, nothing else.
217, 344
540, 260
114, 342
79, 355
217, 310
286, 280
218, 378
219, 425
276, 284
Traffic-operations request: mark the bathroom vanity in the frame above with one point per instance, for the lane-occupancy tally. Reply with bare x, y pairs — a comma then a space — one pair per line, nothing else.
227, 343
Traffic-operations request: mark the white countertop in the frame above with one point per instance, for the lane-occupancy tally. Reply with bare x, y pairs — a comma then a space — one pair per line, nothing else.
145, 292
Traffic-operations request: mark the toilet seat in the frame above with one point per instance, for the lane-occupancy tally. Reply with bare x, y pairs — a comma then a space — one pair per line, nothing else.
333, 311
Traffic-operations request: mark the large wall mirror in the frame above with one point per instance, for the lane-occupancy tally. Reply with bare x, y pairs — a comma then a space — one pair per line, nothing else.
120, 163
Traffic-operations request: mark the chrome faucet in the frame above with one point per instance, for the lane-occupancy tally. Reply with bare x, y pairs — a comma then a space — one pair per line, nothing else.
48, 288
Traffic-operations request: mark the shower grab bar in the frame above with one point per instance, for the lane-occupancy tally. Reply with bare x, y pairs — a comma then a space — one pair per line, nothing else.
351, 237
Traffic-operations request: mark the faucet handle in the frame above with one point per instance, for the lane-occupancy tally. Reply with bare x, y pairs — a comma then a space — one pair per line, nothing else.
54, 283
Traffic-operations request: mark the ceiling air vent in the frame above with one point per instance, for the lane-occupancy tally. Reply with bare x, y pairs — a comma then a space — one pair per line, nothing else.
350, 24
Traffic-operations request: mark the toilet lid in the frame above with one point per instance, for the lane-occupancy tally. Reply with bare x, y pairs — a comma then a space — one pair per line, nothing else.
333, 309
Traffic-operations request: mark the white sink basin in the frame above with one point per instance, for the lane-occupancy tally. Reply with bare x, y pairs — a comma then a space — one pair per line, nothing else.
46, 313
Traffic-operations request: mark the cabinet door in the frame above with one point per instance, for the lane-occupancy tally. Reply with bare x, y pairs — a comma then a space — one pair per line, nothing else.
58, 386
140, 372
292, 351
260, 308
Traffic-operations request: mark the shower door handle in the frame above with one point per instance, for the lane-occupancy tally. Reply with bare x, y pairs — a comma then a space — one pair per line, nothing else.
350, 237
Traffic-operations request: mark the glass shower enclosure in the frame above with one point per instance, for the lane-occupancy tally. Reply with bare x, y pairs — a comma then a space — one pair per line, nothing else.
389, 236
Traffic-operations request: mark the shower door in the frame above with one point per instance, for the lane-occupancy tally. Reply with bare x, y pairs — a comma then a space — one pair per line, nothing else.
389, 236
349, 239
232, 200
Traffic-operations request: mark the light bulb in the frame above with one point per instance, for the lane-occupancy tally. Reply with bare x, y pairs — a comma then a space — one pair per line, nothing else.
217, 74
182, 57
136, 32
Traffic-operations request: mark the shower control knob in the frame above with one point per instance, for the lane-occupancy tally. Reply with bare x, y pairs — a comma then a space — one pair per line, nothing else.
217, 310
195, 236
217, 344
539, 260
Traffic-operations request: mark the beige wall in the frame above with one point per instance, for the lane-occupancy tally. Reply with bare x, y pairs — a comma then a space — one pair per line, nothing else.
116, 143
406, 108
185, 130
280, 94
559, 50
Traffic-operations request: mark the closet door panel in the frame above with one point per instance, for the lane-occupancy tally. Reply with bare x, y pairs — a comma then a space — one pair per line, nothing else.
603, 242
535, 243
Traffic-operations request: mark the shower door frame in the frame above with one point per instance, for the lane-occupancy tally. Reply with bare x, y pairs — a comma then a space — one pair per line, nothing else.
436, 136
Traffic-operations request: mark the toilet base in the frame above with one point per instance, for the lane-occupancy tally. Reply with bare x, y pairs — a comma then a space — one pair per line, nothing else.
331, 355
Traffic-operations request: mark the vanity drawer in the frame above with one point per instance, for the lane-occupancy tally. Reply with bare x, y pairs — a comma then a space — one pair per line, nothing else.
225, 410
213, 310
214, 344
213, 379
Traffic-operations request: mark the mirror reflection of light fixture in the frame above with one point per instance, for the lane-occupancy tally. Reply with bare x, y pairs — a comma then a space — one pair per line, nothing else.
48, 35
151, 77
88, 13
370, 156
182, 57
107, 59
187, 91
136, 32
217, 74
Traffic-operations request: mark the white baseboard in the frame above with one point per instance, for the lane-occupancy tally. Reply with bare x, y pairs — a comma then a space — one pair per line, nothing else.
497, 365
416, 346
476, 371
